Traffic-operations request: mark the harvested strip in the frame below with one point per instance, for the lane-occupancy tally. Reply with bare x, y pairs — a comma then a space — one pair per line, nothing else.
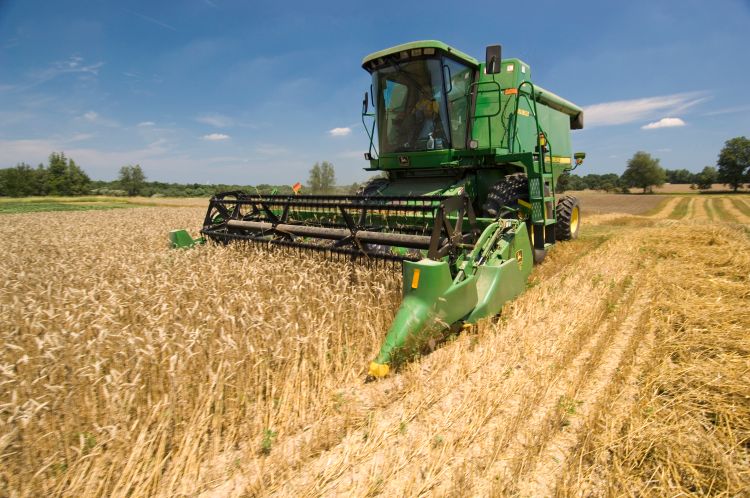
699, 212
728, 212
687, 429
666, 208
603, 219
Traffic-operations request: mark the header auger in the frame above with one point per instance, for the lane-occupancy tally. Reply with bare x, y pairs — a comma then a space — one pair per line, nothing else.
469, 154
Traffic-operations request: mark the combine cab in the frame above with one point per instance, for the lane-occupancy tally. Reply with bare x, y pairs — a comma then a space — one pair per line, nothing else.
469, 155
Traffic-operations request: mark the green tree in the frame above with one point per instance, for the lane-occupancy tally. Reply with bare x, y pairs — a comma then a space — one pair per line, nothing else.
706, 178
64, 177
643, 171
563, 182
322, 178
21, 181
679, 176
132, 179
734, 162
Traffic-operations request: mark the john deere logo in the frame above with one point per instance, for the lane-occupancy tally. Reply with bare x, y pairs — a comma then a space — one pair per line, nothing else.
403, 160
519, 258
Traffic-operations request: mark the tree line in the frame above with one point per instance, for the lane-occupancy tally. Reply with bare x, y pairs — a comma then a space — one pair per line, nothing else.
645, 172
63, 177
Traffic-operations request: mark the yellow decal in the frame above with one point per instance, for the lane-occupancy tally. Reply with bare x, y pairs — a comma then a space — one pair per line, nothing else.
524, 203
415, 279
561, 160
523, 112
519, 258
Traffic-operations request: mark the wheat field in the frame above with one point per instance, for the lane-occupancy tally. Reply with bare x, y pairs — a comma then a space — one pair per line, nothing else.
128, 369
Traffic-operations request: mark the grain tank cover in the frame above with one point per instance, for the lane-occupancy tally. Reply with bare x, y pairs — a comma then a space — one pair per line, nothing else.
563, 105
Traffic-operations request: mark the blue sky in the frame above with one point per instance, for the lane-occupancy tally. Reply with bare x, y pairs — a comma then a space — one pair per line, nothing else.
218, 91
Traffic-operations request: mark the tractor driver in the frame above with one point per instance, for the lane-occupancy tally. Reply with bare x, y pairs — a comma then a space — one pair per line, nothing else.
421, 124
427, 119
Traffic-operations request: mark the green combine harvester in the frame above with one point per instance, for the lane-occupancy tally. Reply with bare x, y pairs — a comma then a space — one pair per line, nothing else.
469, 154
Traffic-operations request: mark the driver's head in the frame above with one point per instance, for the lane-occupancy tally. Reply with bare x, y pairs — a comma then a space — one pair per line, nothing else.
427, 106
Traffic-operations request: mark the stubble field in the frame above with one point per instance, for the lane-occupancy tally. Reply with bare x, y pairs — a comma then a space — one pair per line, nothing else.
128, 369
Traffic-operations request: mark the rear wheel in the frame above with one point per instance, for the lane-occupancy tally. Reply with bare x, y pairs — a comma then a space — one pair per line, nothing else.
568, 218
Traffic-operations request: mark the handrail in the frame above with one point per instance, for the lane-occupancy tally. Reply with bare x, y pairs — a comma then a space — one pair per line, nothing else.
487, 116
539, 134
370, 132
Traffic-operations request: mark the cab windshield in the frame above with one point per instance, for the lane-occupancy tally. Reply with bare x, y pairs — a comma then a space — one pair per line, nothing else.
413, 113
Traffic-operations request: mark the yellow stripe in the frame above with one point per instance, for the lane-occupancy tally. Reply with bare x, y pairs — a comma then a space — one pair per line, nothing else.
561, 160
524, 203
415, 279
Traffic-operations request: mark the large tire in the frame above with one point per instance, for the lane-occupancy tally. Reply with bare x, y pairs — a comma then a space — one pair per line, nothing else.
506, 193
568, 218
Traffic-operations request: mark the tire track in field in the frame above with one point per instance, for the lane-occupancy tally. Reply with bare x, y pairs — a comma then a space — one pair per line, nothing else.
512, 461
556, 455
666, 208
738, 215
462, 405
610, 412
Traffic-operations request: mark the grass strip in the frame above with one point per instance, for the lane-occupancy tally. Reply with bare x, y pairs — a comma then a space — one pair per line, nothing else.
742, 206
680, 210
37, 207
721, 212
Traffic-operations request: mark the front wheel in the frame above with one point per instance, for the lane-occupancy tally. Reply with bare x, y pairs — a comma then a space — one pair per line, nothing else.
568, 218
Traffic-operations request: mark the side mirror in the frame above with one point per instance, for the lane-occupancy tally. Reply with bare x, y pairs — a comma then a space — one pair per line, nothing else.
365, 101
493, 57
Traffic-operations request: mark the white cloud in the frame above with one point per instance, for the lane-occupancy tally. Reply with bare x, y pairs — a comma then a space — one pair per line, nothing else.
215, 137
144, 124
626, 111
91, 116
217, 120
340, 132
664, 123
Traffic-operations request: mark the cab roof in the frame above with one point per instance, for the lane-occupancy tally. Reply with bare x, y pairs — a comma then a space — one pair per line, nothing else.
422, 44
